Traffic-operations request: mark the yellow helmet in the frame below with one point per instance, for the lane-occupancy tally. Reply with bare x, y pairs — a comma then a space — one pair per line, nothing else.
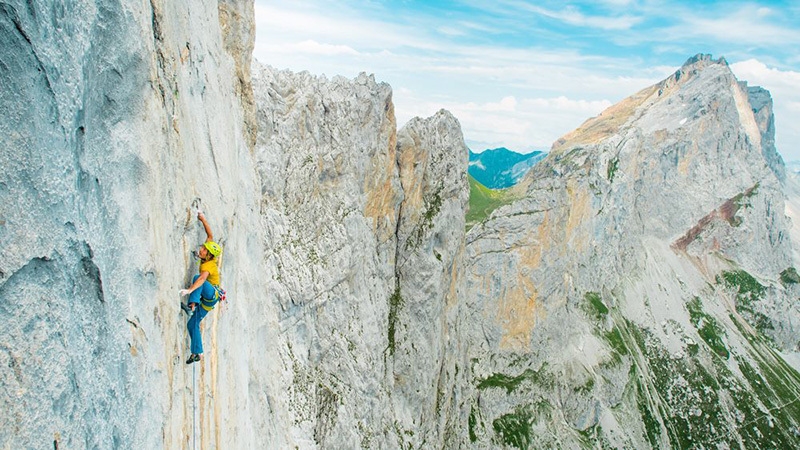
213, 248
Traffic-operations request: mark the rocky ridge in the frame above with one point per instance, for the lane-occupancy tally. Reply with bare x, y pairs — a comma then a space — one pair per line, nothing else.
364, 243
657, 232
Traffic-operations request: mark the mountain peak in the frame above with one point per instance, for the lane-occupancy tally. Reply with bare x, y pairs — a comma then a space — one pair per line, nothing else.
713, 76
500, 167
701, 60
648, 254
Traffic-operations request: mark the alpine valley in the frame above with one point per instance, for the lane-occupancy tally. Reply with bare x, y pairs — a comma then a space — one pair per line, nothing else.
501, 168
635, 289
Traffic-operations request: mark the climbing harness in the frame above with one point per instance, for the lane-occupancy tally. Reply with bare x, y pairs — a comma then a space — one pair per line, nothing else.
209, 303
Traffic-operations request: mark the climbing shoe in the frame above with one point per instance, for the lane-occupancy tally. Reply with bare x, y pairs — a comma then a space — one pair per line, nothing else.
186, 308
193, 358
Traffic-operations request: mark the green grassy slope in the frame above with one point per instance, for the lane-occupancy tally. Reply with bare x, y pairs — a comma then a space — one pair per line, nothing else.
727, 389
482, 201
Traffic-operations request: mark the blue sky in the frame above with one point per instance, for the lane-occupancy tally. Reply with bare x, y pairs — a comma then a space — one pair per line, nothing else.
520, 74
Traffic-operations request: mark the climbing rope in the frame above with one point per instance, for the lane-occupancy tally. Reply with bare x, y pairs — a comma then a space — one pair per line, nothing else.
194, 406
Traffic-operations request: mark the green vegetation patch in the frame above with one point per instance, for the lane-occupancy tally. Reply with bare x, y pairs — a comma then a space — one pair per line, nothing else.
433, 204
510, 383
617, 343
652, 426
483, 200
748, 292
777, 386
693, 415
586, 387
707, 327
790, 276
473, 422
395, 303
595, 306
748, 289
593, 437
700, 405
748, 405
613, 165
515, 429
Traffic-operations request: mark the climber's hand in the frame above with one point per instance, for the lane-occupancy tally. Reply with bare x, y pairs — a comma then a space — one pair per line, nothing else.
200, 214
184, 292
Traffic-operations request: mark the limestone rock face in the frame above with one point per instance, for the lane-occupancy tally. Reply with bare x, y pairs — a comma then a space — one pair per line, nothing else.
342, 249
624, 298
432, 160
238, 38
116, 119
365, 234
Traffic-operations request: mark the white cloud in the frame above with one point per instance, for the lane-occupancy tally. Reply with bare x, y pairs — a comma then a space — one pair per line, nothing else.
273, 20
569, 14
506, 104
311, 47
747, 25
538, 72
574, 17
451, 31
585, 108
616, 3
477, 26
299, 22
758, 73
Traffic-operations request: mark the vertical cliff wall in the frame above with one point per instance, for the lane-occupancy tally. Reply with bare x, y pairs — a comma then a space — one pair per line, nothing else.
116, 118
429, 280
342, 248
365, 230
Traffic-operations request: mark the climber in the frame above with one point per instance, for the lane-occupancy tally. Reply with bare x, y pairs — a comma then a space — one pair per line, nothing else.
204, 293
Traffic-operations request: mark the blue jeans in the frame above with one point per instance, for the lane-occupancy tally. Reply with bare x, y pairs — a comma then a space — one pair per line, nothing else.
206, 290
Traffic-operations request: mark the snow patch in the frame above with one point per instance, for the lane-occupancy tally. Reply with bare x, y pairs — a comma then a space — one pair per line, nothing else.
477, 164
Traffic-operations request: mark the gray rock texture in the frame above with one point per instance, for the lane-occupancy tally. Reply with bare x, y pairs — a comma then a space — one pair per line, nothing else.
116, 118
365, 235
642, 262
342, 249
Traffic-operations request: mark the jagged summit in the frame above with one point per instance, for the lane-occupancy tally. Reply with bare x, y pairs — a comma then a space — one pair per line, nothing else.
696, 70
702, 59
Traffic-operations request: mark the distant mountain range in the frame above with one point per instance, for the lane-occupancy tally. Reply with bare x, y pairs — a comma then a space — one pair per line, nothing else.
501, 168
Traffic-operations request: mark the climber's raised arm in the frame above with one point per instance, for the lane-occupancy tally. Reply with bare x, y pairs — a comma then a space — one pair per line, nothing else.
202, 218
